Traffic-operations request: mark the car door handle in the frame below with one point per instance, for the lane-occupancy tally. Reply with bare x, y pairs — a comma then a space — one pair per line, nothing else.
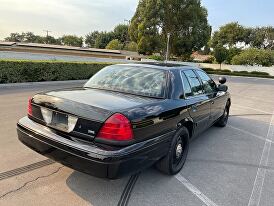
212, 102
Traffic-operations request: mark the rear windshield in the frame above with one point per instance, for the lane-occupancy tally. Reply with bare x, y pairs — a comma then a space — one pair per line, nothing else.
130, 79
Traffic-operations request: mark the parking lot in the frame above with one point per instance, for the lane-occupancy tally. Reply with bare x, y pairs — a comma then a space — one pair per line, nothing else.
226, 166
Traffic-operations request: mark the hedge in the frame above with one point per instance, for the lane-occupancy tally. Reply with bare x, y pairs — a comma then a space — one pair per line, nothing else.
13, 71
238, 73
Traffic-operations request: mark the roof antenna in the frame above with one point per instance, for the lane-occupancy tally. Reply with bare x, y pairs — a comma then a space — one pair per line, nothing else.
167, 47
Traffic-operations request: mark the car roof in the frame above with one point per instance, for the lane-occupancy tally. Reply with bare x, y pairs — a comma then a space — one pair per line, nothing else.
161, 65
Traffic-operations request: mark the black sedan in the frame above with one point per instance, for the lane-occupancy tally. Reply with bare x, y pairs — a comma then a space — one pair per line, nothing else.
126, 118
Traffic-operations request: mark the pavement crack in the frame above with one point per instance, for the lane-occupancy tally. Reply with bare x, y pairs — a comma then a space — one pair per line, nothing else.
31, 181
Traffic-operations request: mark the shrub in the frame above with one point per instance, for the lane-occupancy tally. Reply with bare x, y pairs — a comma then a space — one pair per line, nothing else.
12, 71
254, 57
232, 52
115, 45
156, 57
209, 60
260, 73
131, 46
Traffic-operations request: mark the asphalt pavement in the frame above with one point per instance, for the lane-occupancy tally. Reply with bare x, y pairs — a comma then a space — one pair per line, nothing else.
226, 166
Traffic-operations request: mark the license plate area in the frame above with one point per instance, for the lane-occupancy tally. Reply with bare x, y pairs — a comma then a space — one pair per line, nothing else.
59, 121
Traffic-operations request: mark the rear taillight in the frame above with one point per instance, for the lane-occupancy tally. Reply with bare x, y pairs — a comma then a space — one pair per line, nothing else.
117, 128
30, 107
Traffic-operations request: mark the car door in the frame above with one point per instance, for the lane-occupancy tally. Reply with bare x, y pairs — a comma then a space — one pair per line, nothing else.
198, 102
217, 101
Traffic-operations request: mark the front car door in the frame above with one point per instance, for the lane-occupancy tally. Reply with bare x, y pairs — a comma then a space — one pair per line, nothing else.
198, 102
217, 99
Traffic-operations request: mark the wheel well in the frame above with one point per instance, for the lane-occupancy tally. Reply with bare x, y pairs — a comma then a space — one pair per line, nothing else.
189, 126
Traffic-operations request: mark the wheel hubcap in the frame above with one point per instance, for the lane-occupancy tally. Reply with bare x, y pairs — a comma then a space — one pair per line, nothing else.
179, 151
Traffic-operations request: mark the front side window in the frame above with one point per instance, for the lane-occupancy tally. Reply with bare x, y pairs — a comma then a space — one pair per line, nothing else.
194, 81
208, 83
130, 79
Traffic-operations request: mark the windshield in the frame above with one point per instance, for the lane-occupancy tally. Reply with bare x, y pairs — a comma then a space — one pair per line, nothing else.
130, 79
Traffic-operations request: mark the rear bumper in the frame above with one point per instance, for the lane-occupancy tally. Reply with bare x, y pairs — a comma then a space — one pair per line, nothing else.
89, 158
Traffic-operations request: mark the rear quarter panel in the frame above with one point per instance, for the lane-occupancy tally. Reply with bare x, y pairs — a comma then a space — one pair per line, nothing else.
153, 120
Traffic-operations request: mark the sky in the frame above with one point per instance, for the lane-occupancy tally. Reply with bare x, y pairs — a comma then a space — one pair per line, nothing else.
79, 17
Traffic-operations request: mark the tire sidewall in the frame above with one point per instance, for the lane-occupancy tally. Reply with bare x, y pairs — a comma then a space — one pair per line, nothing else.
184, 134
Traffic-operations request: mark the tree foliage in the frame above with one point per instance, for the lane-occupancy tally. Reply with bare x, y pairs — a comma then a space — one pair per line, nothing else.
220, 54
91, 38
229, 35
121, 33
233, 34
72, 40
30, 37
262, 37
115, 44
15, 37
185, 20
131, 46
103, 39
253, 57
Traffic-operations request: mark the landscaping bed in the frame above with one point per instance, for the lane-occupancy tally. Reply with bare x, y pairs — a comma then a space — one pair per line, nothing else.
238, 73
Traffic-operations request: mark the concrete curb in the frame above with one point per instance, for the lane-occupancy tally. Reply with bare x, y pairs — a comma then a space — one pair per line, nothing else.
32, 84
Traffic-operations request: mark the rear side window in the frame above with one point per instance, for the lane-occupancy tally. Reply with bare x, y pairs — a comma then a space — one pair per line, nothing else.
208, 83
186, 85
195, 84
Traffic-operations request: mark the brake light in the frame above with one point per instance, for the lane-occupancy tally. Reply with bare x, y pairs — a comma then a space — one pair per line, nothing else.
117, 128
29, 107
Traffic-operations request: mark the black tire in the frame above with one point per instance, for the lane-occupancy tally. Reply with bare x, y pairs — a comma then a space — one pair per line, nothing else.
174, 161
222, 122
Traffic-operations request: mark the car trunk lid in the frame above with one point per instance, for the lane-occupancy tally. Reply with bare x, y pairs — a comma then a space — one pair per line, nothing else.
91, 107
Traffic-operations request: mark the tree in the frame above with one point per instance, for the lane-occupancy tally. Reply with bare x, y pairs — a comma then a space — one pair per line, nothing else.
262, 37
72, 40
29, 37
121, 32
103, 39
185, 20
145, 26
115, 45
220, 54
91, 38
15, 37
229, 35
131, 46
58, 41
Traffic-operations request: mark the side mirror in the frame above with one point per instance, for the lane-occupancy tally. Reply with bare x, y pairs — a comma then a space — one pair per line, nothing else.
222, 80
222, 88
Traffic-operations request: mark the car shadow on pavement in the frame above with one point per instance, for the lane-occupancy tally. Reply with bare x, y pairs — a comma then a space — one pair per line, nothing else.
97, 191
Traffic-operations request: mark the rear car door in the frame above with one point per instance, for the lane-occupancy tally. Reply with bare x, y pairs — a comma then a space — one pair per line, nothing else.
217, 99
197, 101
